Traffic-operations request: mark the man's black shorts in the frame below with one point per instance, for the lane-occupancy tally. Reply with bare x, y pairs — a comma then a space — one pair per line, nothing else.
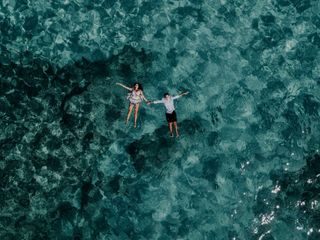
171, 117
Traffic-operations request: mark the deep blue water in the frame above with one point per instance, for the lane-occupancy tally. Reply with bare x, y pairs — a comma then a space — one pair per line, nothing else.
247, 164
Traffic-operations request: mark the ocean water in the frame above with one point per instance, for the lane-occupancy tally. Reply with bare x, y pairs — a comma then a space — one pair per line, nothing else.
247, 164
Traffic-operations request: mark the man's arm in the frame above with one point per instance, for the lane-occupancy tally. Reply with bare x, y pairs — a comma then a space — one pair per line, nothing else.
180, 95
156, 102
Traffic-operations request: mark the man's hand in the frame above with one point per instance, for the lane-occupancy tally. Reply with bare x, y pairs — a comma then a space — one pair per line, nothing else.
185, 93
149, 102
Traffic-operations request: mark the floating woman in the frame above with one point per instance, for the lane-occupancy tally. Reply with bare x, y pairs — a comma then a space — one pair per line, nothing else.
135, 97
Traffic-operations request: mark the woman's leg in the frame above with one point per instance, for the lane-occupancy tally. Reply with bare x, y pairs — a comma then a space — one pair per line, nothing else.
129, 112
176, 127
136, 109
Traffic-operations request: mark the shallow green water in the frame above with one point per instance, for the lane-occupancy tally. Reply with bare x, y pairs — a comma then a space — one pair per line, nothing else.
247, 164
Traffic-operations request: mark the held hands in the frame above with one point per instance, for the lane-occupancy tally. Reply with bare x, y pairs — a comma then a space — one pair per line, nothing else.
149, 102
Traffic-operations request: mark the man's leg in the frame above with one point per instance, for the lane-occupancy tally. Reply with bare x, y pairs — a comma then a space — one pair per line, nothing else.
129, 112
136, 109
176, 127
170, 129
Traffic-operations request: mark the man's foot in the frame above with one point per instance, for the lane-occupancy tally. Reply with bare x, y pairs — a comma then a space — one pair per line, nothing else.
171, 134
177, 135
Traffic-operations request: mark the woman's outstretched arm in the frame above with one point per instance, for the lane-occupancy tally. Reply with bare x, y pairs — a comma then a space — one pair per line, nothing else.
121, 85
144, 98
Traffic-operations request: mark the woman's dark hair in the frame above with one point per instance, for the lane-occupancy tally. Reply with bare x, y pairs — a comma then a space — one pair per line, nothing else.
139, 86
164, 95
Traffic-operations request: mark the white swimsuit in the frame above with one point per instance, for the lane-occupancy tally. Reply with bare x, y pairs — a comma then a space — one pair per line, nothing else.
134, 98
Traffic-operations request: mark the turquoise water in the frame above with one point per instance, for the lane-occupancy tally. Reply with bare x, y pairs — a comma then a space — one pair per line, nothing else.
247, 164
